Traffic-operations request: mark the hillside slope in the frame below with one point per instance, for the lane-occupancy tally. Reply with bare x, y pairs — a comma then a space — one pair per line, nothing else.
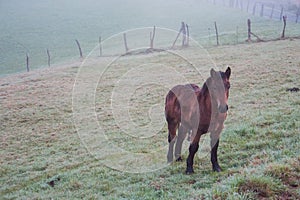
42, 155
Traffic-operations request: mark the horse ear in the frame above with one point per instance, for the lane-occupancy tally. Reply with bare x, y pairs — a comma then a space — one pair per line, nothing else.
228, 72
212, 72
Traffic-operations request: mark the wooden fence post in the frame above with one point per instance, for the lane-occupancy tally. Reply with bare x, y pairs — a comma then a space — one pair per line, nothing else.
262, 10
242, 4
271, 16
237, 35
254, 8
79, 48
27, 62
248, 6
152, 35
297, 14
188, 35
100, 46
183, 34
209, 39
284, 25
251, 33
125, 42
179, 32
217, 34
249, 30
176, 39
48, 54
281, 13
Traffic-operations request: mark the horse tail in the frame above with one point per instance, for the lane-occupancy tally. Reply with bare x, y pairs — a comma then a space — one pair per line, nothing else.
171, 107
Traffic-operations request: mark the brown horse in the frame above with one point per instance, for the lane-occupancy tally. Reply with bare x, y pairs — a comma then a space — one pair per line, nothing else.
191, 109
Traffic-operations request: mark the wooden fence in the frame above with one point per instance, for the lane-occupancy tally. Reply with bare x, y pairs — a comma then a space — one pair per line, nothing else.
269, 9
185, 32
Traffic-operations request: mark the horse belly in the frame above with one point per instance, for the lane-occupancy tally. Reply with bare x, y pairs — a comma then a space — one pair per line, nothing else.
189, 118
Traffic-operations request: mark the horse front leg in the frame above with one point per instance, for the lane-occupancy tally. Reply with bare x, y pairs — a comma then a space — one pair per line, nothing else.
194, 146
171, 139
214, 156
214, 143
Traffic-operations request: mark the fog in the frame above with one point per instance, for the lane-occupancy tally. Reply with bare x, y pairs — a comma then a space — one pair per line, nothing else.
32, 26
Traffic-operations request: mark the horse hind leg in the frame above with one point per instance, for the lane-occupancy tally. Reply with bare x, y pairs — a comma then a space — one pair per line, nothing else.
182, 132
194, 146
171, 139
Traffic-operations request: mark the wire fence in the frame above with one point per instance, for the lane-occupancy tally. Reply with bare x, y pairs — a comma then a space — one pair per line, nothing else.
239, 34
268, 9
206, 37
266, 23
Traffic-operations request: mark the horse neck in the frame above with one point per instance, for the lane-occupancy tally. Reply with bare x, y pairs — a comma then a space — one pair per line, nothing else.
205, 97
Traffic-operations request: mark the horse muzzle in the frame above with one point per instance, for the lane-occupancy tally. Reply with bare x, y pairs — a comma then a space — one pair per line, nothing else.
223, 109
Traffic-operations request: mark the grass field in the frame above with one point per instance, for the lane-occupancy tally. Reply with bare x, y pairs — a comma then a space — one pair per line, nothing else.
45, 155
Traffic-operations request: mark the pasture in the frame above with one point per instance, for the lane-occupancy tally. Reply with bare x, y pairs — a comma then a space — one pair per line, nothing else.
45, 155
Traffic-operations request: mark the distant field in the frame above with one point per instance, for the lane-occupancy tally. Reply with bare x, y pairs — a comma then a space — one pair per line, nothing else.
46, 152
33, 26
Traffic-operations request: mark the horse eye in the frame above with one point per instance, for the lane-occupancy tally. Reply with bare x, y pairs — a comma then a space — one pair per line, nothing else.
228, 86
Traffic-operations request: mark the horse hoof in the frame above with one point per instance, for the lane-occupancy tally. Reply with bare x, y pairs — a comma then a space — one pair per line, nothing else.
189, 171
217, 169
179, 159
170, 159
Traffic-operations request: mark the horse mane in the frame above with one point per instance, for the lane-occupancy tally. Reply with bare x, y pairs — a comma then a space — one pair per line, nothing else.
204, 89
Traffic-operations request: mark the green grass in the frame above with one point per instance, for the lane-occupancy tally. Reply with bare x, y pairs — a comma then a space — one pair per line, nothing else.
42, 156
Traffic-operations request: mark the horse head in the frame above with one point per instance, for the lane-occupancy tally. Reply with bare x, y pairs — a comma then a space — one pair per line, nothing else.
219, 85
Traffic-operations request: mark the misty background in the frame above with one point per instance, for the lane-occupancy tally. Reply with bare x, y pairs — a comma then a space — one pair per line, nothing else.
32, 26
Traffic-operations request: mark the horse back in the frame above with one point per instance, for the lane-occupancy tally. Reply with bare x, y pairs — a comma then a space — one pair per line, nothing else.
182, 103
